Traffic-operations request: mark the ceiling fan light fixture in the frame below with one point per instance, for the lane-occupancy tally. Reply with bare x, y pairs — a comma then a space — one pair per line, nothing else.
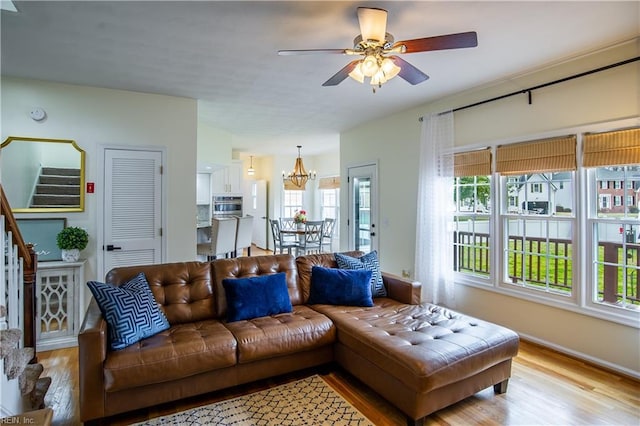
389, 68
373, 23
369, 66
357, 74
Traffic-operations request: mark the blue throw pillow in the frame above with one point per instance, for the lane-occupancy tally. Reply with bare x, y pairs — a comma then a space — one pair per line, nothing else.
331, 286
369, 262
255, 297
130, 310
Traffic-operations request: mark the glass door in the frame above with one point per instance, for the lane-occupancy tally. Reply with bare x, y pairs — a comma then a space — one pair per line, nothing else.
363, 211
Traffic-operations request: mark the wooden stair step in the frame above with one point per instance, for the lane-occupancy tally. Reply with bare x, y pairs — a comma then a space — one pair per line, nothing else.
60, 171
16, 361
9, 340
29, 377
38, 394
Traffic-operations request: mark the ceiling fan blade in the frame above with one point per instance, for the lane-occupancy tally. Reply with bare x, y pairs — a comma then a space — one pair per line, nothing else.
449, 41
373, 23
312, 52
342, 74
408, 72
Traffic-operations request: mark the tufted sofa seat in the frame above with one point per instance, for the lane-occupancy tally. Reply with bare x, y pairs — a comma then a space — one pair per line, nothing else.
420, 357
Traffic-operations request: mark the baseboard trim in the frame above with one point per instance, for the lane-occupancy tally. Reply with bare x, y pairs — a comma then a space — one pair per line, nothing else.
583, 357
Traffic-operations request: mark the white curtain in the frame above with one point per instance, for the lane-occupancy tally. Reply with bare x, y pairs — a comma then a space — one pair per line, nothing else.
434, 242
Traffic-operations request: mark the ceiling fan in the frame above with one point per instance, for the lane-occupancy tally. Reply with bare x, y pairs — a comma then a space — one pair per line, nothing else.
379, 62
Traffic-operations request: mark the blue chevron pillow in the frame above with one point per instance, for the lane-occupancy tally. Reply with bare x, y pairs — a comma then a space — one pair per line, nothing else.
369, 262
130, 310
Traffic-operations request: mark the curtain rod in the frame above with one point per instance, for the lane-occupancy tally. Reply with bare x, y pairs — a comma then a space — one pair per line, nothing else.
540, 86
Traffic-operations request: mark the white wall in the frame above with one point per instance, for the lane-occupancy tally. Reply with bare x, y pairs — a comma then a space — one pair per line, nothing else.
394, 142
93, 117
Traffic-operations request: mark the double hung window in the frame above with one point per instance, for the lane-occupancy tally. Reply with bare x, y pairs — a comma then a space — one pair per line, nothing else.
557, 221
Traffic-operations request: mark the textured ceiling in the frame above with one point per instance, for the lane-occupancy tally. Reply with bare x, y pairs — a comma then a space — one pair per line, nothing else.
225, 55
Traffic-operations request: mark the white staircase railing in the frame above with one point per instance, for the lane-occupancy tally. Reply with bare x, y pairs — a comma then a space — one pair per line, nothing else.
11, 281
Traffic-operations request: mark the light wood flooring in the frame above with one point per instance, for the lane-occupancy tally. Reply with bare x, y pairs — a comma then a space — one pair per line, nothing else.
546, 388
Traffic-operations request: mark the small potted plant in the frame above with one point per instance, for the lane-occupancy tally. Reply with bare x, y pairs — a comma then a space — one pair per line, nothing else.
71, 240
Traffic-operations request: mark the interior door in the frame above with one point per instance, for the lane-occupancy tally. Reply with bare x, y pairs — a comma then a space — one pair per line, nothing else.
363, 207
255, 204
132, 206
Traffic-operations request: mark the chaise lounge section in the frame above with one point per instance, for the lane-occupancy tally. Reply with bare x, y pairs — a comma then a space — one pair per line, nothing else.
420, 357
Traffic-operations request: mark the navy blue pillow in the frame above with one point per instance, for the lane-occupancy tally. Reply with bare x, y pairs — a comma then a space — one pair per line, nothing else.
369, 262
131, 311
255, 297
331, 286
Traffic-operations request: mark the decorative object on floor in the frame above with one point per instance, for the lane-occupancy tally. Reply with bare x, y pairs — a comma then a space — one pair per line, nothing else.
309, 401
71, 240
375, 45
298, 177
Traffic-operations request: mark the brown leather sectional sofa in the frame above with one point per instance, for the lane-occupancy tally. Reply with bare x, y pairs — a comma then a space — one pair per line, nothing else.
420, 357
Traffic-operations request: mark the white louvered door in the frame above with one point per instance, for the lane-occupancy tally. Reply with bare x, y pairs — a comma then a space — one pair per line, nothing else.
132, 208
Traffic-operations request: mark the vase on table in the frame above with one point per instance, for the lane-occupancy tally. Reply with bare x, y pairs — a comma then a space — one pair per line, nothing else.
300, 226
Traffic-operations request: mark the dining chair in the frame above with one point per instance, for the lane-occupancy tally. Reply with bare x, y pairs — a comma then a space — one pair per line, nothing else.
312, 239
288, 224
279, 243
223, 239
244, 235
327, 234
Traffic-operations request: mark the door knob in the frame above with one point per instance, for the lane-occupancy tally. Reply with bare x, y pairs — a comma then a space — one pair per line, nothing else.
111, 247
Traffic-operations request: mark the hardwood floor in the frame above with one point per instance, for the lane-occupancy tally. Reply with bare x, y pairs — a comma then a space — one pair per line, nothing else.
546, 388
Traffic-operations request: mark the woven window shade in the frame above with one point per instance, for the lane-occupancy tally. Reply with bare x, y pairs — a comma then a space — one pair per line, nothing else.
472, 163
543, 155
611, 148
329, 183
289, 186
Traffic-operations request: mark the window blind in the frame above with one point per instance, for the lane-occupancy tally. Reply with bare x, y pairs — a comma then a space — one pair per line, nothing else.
472, 163
619, 147
542, 155
289, 186
329, 182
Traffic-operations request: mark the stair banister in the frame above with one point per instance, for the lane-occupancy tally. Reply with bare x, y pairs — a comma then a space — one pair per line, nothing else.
30, 266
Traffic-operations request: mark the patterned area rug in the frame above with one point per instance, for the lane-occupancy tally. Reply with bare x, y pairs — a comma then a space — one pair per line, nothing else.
309, 401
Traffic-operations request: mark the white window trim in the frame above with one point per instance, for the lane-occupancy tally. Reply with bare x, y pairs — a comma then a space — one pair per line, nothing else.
580, 301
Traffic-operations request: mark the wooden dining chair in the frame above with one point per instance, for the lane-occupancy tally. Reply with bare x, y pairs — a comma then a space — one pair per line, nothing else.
312, 239
279, 243
288, 224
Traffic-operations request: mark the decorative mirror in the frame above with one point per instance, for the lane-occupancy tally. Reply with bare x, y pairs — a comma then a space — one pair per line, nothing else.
42, 175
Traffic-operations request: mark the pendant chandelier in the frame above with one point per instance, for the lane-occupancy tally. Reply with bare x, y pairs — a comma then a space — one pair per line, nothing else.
299, 176
251, 171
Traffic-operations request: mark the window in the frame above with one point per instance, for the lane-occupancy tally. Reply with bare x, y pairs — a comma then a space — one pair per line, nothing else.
330, 200
568, 226
617, 200
292, 201
472, 200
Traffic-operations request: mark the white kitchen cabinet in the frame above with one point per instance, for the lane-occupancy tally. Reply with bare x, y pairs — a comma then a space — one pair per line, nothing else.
228, 180
203, 188
59, 295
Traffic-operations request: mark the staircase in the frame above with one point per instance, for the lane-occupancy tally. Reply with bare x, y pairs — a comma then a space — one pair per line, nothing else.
57, 187
16, 366
22, 387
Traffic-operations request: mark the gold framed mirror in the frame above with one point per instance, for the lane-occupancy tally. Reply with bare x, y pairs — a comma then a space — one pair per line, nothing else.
43, 175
